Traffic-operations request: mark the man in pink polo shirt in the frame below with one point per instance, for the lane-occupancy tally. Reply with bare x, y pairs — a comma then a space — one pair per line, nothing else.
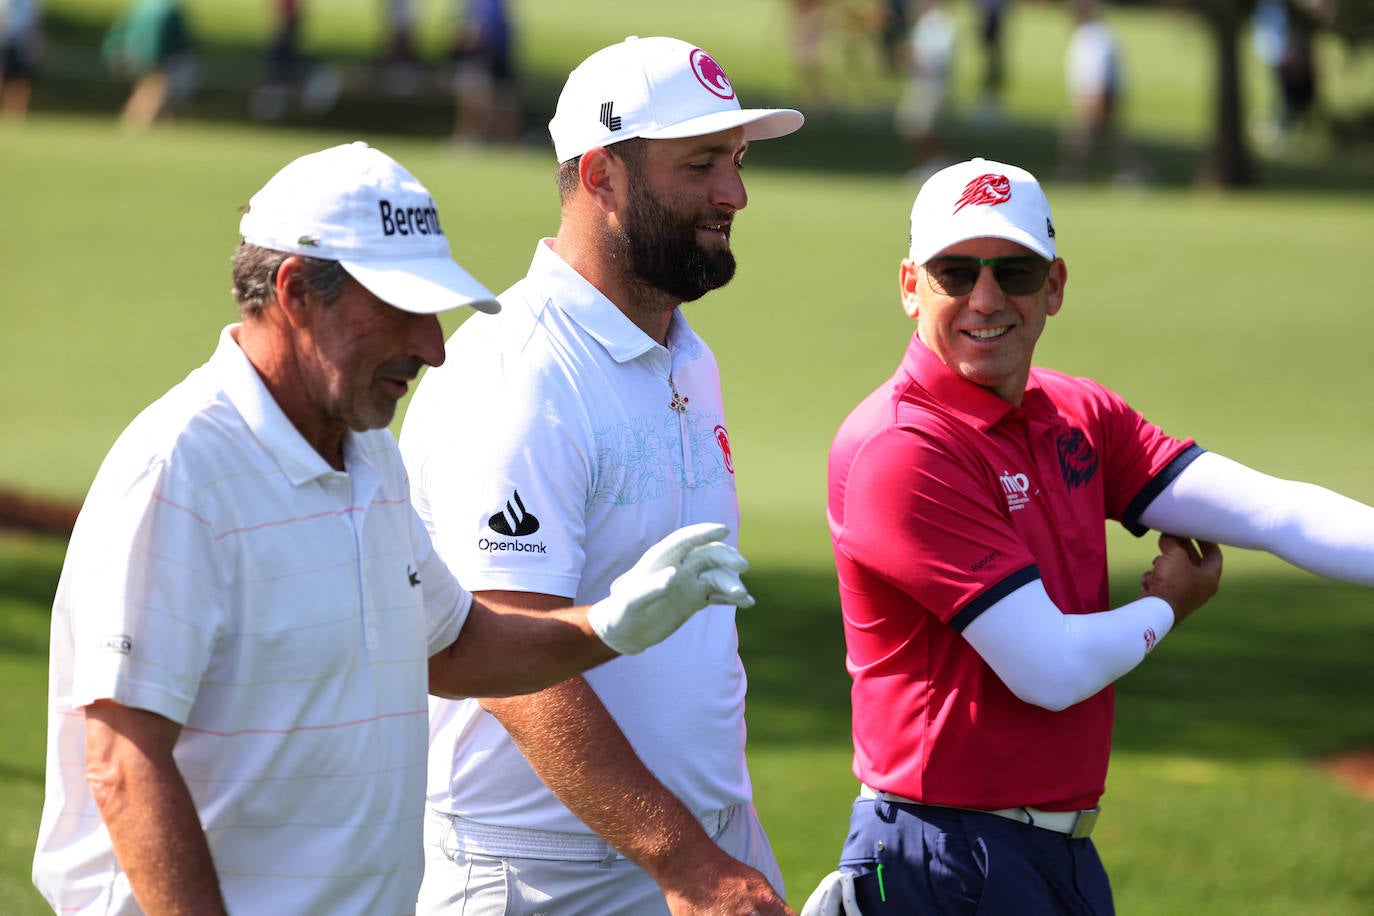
967, 503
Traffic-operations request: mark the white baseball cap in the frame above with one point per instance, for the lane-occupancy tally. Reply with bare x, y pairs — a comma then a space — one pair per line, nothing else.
657, 88
358, 206
980, 199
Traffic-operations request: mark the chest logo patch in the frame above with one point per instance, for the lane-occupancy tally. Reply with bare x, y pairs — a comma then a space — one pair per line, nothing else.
1077, 458
1016, 487
723, 440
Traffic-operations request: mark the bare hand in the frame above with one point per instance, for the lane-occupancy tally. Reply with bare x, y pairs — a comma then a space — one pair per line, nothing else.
730, 889
1184, 574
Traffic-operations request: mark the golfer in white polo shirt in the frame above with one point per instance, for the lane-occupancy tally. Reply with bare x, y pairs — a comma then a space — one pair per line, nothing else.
602, 429
250, 612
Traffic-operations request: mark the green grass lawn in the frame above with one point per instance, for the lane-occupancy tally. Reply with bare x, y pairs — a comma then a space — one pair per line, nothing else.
1237, 319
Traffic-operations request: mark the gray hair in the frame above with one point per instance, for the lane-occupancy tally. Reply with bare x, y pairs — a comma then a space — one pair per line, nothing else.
255, 277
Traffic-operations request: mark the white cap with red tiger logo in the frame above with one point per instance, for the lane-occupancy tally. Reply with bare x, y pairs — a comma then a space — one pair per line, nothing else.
658, 88
980, 199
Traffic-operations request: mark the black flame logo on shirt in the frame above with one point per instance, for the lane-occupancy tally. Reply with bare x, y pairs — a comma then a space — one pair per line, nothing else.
1077, 458
515, 520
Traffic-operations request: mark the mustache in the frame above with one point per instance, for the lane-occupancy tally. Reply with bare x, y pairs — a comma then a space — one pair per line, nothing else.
404, 367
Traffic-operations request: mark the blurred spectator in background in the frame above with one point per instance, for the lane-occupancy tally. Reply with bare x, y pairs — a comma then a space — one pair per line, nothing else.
288, 72
808, 32
151, 44
399, 44
991, 20
21, 44
923, 107
485, 81
896, 21
1283, 41
863, 45
402, 73
284, 67
1096, 86
284, 49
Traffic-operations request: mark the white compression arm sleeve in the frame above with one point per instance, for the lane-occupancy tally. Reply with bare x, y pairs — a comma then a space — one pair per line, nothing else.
1217, 499
1052, 659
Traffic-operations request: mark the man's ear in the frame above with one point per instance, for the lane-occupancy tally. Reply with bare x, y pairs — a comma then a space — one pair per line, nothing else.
1059, 278
291, 292
909, 274
602, 174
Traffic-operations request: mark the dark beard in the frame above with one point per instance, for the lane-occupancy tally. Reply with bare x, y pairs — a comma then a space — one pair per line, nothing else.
661, 251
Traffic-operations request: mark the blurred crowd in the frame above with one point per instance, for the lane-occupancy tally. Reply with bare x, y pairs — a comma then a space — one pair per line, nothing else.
903, 52
856, 44
154, 47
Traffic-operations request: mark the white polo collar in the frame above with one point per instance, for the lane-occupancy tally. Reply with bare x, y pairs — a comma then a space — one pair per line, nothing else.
297, 458
600, 317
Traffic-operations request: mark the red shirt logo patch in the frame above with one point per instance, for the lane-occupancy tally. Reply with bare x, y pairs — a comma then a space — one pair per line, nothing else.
723, 439
985, 189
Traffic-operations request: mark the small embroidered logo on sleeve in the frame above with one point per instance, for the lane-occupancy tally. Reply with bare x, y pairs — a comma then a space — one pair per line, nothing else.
514, 520
121, 644
1150, 639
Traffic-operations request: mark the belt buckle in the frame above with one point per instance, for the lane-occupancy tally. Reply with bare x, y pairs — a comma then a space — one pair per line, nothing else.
1084, 823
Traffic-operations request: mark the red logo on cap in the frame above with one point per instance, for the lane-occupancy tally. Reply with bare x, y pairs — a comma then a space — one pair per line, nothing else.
723, 439
985, 189
711, 74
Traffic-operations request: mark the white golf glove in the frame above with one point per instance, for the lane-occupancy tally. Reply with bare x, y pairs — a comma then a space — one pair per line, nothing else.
681, 574
834, 896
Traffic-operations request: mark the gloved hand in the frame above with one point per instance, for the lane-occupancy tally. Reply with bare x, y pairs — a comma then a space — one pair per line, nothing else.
681, 574
834, 896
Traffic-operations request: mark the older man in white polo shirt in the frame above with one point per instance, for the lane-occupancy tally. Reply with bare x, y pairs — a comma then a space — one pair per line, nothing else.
251, 612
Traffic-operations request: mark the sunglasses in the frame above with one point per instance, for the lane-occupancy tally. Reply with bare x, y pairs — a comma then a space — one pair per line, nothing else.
1017, 274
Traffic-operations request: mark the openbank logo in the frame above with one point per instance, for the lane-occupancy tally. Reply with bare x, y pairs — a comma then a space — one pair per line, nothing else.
515, 520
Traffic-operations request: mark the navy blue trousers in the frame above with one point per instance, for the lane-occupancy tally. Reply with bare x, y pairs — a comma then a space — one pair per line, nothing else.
913, 859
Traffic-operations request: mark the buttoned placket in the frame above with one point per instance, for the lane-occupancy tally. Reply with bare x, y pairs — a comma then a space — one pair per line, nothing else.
1041, 441
360, 482
679, 403
1027, 431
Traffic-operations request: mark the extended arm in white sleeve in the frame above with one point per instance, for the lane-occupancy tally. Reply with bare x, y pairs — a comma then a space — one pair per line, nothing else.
1054, 660
1217, 499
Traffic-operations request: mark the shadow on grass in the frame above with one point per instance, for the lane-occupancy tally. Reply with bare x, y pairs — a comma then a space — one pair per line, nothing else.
12, 775
75, 81
29, 569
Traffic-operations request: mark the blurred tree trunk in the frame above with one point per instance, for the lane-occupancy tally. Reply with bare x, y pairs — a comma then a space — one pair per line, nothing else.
1229, 162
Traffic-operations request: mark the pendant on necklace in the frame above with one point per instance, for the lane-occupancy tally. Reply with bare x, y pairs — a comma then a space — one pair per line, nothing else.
678, 403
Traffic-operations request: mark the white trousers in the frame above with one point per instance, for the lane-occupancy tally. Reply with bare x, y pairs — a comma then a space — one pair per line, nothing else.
461, 881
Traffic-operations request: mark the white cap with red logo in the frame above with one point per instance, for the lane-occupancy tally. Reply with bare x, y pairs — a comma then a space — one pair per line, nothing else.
658, 88
980, 199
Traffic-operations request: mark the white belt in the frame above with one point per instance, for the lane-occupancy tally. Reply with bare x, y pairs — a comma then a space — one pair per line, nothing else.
528, 843
1075, 824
